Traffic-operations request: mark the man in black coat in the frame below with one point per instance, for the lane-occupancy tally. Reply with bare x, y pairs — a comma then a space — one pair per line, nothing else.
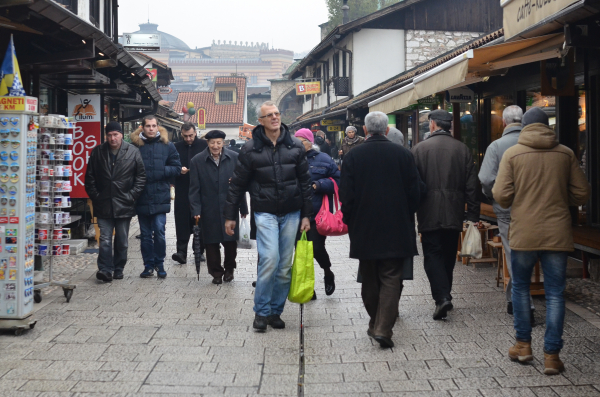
188, 147
114, 179
447, 168
210, 172
272, 166
379, 192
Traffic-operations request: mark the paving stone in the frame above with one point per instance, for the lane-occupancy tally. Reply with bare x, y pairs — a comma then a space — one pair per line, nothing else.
47, 385
405, 385
346, 387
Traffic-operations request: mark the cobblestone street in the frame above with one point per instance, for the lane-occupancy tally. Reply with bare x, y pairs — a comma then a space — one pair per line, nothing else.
181, 336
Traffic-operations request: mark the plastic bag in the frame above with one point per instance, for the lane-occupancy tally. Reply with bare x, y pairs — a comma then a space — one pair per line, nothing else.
303, 272
172, 192
244, 241
471, 245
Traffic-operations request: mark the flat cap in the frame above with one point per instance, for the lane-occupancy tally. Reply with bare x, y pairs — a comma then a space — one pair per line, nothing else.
440, 115
214, 134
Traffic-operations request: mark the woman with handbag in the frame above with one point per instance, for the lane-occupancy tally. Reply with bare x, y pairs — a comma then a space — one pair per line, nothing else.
323, 172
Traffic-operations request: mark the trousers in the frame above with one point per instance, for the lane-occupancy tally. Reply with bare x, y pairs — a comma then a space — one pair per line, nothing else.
213, 257
503, 227
439, 249
107, 260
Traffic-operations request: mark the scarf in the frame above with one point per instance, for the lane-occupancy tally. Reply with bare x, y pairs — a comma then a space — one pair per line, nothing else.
144, 138
351, 141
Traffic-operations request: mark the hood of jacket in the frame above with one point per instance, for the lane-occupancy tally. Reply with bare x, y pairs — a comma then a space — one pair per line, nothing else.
261, 140
538, 136
512, 128
138, 141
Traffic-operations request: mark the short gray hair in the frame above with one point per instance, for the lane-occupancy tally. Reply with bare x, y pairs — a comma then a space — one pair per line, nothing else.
512, 114
351, 128
395, 136
376, 123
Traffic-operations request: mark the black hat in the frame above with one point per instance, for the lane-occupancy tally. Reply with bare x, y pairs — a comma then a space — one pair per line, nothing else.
214, 134
113, 126
440, 115
535, 115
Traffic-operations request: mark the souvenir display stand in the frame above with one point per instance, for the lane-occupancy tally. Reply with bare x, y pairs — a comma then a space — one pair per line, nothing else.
54, 169
18, 140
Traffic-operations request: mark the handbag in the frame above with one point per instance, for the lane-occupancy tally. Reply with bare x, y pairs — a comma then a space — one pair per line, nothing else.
329, 224
302, 286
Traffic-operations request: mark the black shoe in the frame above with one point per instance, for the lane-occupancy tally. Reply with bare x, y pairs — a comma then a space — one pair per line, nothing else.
441, 310
179, 257
118, 274
532, 318
202, 258
104, 276
228, 276
148, 272
260, 323
275, 321
329, 283
254, 284
383, 341
217, 280
314, 297
509, 308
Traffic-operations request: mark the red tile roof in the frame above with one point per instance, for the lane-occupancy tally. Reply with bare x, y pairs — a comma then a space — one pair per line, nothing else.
216, 113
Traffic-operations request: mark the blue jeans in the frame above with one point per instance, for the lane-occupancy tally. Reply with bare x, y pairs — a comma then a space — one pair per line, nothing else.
154, 249
554, 266
107, 261
275, 240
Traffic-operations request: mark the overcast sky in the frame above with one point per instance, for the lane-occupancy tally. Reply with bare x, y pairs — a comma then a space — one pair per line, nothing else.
286, 24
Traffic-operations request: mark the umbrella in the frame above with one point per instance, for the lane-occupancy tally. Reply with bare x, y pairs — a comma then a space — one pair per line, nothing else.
197, 247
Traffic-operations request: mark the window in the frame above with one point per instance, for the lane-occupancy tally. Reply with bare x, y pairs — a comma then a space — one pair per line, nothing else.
253, 79
225, 96
192, 78
95, 12
336, 64
343, 55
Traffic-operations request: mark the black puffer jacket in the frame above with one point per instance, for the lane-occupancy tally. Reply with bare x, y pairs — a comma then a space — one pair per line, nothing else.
114, 191
447, 168
277, 177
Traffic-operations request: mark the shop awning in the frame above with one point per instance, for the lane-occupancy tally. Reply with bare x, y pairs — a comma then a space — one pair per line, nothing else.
471, 67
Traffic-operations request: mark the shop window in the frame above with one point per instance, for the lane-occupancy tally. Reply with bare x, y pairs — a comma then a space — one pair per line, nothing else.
582, 143
499, 103
225, 96
535, 99
468, 128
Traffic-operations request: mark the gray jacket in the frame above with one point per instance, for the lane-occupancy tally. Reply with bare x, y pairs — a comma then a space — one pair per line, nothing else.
491, 162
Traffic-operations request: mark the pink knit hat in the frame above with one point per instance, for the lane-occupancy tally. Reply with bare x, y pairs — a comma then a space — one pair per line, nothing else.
306, 134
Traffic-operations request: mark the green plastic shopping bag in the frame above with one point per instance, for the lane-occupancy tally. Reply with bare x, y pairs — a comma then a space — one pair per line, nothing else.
303, 272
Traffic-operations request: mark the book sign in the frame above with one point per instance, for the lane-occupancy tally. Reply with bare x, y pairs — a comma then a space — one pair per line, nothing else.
309, 88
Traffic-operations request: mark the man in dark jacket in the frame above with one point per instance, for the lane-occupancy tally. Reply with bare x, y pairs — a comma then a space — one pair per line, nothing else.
380, 194
511, 118
162, 164
114, 179
272, 166
446, 166
187, 148
211, 171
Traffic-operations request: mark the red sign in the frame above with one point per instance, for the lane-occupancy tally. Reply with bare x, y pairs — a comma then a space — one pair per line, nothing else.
201, 114
152, 74
4, 219
14, 219
85, 138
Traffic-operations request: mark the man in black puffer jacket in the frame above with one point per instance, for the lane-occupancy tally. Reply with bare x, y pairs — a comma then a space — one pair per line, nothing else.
162, 164
272, 166
114, 179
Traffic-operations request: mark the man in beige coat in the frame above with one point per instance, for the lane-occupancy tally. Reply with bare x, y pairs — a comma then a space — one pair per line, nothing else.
540, 179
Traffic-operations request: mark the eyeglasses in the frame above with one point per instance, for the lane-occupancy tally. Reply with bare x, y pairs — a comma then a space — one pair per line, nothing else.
270, 115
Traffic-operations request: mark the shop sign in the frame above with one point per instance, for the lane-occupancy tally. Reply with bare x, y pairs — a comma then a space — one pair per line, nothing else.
165, 90
153, 74
86, 136
201, 114
429, 100
460, 95
332, 122
332, 128
308, 88
18, 104
141, 41
520, 15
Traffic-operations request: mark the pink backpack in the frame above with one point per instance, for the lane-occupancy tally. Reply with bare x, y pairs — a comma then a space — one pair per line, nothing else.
329, 224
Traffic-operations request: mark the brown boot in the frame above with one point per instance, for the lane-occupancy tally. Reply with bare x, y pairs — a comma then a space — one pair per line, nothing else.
521, 352
552, 364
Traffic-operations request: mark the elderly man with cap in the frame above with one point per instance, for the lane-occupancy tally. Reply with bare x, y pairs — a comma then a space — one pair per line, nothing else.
540, 178
210, 172
114, 179
447, 168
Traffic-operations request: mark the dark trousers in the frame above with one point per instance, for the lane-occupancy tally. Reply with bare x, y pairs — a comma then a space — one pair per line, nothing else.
319, 251
439, 249
107, 261
184, 228
213, 257
381, 288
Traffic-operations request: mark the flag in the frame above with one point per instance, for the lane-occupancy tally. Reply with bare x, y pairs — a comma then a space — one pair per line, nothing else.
10, 76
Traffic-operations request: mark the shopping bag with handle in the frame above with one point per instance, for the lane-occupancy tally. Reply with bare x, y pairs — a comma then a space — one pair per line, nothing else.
244, 240
303, 272
329, 224
471, 246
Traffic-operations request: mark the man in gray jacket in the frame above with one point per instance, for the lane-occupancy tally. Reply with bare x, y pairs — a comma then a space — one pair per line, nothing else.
511, 118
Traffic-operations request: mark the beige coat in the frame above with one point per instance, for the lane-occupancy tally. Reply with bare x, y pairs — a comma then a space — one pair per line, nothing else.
540, 179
